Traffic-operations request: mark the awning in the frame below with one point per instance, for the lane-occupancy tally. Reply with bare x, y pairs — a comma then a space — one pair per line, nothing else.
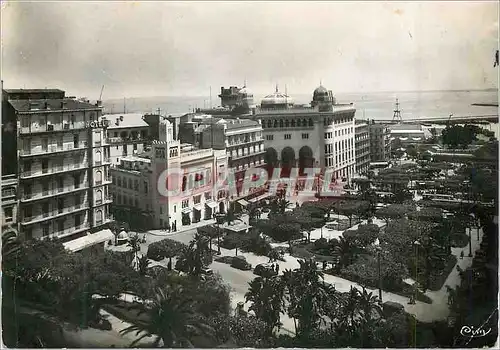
243, 202
89, 240
259, 198
198, 206
186, 210
211, 204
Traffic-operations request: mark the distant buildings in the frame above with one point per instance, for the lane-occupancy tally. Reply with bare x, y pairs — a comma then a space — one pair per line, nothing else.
404, 134
57, 150
362, 147
380, 142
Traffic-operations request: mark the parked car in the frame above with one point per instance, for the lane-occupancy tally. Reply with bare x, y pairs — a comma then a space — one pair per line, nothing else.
264, 270
239, 262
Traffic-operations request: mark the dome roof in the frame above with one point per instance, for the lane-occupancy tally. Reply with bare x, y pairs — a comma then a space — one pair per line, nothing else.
320, 90
122, 235
277, 98
245, 90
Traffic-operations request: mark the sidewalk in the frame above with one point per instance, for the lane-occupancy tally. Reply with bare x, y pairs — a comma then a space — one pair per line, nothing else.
182, 228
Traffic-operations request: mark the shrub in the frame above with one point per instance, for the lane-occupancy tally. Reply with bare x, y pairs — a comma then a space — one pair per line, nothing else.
256, 244
239, 262
166, 248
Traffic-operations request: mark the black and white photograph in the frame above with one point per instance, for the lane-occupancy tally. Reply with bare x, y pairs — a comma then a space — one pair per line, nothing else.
249, 174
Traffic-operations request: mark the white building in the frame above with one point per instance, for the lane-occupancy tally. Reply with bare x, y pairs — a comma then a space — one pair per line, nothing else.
320, 135
135, 182
127, 134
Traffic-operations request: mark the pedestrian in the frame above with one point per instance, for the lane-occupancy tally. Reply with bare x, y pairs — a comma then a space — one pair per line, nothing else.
272, 267
462, 254
277, 269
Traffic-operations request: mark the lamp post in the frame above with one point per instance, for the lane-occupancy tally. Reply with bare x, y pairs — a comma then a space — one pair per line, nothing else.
379, 274
416, 244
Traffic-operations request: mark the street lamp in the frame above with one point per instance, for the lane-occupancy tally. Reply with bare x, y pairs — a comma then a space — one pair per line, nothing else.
416, 244
379, 250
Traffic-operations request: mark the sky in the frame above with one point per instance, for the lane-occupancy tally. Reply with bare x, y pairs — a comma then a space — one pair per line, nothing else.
139, 49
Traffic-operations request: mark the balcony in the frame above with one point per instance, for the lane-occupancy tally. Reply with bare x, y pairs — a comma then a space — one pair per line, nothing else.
53, 170
69, 231
129, 140
106, 200
54, 149
53, 214
53, 128
34, 196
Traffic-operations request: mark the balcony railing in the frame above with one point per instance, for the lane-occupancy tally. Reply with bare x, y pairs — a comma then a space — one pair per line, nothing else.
52, 192
54, 170
54, 149
70, 230
49, 215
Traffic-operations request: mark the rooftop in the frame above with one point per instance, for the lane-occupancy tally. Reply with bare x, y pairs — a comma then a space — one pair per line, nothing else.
31, 91
50, 104
130, 120
240, 123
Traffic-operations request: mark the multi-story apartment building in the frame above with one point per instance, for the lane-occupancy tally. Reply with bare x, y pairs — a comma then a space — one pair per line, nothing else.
242, 140
9, 202
320, 135
63, 163
380, 142
135, 183
127, 134
362, 147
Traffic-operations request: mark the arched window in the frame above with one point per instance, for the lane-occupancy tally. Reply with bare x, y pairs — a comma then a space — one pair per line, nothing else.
269, 124
299, 124
304, 122
275, 123
287, 123
98, 196
184, 183
98, 177
98, 217
293, 123
281, 123
311, 122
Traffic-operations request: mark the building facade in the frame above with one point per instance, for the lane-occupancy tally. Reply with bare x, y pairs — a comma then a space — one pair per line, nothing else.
380, 142
127, 134
63, 162
135, 183
320, 135
9, 202
362, 147
244, 145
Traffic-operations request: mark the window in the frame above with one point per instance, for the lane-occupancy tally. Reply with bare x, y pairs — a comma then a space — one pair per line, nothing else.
8, 192
26, 122
76, 140
60, 226
146, 187
161, 210
7, 212
119, 180
269, 137
135, 146
45, 229
305, 136
185, 203
288, 136
197, 199
77, 221
130, 183
208, 196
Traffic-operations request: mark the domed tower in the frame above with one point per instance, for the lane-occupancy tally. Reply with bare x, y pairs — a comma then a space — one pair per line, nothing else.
277, 100
323, 98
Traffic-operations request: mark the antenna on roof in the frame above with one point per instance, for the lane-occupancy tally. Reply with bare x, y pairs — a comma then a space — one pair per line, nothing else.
397, 113
276, 87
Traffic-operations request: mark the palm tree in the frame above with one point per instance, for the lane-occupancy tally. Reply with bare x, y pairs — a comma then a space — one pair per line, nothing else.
345, 250
283, 204
369, 303
308, 296
172, 318
10, 243
134, 242
194, 257
143, 265
267, 297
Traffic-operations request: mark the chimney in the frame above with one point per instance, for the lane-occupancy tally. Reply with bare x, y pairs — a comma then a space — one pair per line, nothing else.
98, 103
